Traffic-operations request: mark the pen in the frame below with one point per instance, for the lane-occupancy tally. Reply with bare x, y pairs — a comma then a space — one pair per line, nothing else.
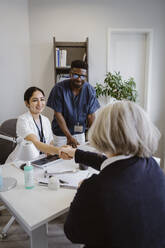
45, 184
62, 185
46, 174
62, 181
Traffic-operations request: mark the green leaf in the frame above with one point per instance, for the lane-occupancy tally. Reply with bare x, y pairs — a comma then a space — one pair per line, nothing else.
116, 87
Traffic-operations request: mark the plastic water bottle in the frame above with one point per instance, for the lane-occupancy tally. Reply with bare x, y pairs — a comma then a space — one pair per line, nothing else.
1, 178
28, 174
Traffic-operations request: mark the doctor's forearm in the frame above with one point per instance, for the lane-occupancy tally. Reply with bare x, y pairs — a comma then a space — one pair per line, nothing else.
90, 118
62, 123
46, 148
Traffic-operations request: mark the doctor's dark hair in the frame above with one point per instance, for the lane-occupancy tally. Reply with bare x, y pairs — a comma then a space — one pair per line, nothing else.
124, 128
79, 64
29, 92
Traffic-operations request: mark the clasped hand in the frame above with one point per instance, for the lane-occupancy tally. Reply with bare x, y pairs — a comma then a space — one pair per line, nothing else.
67, 152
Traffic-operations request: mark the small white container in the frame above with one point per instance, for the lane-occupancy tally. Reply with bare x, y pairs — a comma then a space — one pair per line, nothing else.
53, 183
28, 175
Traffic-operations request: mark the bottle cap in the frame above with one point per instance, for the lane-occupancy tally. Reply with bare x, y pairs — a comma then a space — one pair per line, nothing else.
28, 166
28, 163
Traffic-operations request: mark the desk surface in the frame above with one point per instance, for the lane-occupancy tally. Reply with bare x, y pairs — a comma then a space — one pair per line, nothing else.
36, 206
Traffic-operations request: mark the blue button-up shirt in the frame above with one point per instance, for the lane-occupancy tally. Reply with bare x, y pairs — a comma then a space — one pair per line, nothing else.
73, 108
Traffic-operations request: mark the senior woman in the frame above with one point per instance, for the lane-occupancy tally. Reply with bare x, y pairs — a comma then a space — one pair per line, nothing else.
33, 126
124, 205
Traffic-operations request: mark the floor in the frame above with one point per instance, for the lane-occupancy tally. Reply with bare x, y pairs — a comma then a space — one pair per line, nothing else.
17, 238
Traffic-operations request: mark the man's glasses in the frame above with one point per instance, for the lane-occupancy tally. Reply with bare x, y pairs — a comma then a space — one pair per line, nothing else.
76, 76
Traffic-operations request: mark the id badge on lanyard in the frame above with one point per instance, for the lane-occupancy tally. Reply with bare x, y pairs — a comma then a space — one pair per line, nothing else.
78, 128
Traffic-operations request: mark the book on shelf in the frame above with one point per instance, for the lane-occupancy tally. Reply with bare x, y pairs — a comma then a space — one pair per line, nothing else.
57, 57
61, 56
85, 57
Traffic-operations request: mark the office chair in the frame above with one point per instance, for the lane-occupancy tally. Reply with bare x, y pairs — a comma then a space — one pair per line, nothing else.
7, 128
6, 147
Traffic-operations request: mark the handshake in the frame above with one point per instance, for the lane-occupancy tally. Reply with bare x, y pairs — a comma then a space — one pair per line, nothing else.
66, 152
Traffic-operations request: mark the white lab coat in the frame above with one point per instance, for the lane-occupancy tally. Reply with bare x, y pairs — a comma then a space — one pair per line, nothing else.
25, 126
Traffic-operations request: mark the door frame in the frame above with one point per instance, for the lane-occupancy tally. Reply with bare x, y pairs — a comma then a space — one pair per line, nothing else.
148, 64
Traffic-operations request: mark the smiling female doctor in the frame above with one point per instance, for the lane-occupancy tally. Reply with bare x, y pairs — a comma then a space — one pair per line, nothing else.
33, 126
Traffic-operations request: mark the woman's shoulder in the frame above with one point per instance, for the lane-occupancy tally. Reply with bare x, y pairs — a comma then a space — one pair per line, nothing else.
45, 119
25, 116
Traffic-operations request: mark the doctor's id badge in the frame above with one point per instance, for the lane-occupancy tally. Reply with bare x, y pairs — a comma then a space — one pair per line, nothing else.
78, 128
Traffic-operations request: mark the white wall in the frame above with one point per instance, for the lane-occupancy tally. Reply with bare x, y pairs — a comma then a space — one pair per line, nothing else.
14, 56
72, 20
128, 54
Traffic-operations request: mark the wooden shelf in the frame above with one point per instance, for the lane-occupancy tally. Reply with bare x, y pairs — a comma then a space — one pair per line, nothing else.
62, 68
74, 51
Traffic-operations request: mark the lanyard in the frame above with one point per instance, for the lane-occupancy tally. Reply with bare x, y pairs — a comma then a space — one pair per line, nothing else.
76, 100
40, 132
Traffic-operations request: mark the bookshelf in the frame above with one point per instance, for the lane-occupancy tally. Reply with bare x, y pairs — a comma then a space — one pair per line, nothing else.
64, 53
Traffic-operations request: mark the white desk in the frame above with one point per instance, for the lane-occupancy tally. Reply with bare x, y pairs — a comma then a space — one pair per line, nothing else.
34, 208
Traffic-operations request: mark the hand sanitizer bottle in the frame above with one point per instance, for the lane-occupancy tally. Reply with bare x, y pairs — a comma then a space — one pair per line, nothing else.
28, 174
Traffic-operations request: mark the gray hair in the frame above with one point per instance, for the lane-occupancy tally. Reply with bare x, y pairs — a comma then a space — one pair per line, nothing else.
123, 127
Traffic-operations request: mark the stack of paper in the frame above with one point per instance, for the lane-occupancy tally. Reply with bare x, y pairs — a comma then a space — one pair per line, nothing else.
72, 180
68, 180
63, 167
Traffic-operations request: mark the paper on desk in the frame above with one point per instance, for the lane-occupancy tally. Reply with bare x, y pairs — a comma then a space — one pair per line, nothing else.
72, 179
86, 147
65, 166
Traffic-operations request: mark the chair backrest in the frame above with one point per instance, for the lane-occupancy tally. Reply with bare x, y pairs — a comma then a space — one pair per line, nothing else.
8, 128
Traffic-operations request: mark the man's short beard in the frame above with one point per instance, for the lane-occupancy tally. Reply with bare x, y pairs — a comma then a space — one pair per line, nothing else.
76, 85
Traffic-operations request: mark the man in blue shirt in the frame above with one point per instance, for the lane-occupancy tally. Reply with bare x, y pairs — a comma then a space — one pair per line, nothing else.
74, 103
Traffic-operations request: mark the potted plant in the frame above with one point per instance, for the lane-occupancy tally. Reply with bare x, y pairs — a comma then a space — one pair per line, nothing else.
116, 88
